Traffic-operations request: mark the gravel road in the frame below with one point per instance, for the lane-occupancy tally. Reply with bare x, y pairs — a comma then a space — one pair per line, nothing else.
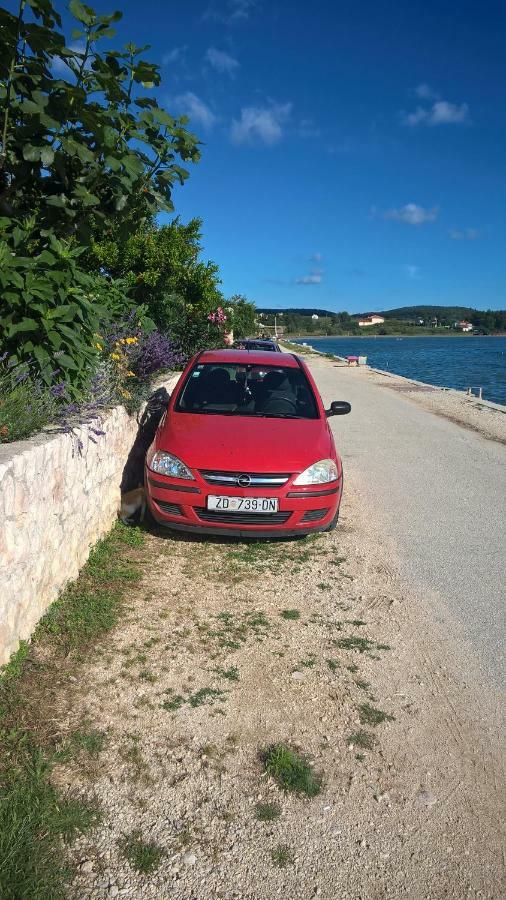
438, 490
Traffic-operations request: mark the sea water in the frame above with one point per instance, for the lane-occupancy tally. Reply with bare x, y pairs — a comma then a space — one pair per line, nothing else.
455, 362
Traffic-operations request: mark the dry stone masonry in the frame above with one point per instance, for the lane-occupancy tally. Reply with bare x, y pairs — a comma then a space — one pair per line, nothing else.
54, 505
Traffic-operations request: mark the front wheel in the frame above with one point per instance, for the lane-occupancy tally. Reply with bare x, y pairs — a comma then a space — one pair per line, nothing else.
333, 524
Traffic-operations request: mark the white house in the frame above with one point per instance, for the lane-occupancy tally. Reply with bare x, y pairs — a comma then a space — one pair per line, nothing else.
371, 320
314, 316
464, 326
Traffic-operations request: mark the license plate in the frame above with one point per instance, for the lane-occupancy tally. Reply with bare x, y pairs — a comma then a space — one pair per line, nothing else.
243, 504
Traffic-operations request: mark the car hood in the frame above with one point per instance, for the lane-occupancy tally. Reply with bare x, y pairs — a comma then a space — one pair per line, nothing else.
240, 443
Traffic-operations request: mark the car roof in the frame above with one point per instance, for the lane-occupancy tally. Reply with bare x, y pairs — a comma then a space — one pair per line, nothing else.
243, 357
262, 341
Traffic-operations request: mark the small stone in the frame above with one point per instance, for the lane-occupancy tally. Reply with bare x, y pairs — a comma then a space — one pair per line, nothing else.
189, 859
86, 866
425, 798
298, 676
113, 890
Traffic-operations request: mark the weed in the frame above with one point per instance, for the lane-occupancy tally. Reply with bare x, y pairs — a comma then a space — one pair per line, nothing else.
333, 664
291, 770
232, 674
143, 856
323, 586
364, 685
145, 675
338, 561
307, 663
369, 715
361, 739
267, 812
282, 856
204, 694
92, 742
290, 614
173, 704
352, 668
354, 642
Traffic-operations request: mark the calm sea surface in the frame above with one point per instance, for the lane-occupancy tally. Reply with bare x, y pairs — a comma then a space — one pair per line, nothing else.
447, 362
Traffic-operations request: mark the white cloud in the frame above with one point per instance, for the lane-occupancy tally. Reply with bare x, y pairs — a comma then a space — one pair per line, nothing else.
264, 124
412, 271
197, 111
314, 277
230, 12
425, 92
316, 257
412, 214
221, 61
440, 113
464, 234
174, 55
309, 279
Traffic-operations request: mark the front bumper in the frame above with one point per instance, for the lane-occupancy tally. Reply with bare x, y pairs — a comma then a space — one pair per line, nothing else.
183, 507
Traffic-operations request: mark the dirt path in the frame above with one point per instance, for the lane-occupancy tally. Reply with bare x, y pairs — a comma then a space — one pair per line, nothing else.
206, 672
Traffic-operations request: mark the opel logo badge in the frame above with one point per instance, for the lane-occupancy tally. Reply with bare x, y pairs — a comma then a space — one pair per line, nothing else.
244, 480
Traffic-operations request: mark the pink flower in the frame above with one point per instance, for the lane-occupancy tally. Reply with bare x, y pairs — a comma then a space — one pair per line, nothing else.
218, 317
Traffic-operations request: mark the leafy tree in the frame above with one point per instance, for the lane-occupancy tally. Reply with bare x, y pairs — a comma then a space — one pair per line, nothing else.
163, 271
78, 151
242, 316
88, 142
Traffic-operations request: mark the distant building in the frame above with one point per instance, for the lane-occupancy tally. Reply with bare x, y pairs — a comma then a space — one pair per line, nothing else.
371, 320
464, 326
314, 316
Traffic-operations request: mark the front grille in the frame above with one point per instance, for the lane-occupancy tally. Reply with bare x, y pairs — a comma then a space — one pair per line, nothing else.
208, 515
313, 515
172, 509
257, 479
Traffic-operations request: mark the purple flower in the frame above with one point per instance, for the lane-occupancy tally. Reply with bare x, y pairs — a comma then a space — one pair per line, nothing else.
58, 391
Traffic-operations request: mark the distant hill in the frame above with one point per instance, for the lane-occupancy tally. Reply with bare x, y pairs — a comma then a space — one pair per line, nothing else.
430, 312
295, 311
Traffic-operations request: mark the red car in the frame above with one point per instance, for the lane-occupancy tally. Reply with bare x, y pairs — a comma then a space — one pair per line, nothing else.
245, 449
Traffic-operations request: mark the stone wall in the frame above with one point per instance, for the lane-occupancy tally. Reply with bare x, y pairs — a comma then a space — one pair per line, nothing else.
54, 505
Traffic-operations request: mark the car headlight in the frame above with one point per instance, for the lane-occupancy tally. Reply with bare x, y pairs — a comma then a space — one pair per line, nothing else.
319, 473
167, 464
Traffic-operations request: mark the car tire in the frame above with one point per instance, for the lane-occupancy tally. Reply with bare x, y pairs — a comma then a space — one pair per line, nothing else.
333, 524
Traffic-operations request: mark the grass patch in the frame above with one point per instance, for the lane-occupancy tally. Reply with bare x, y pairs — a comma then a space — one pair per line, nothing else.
33, 822
369, 715
354, 643
323, 586
267, 812
363, 685
362, 739
282, 856
333, 664
143, 856
307, 663
291, 770
231, 674
34, 818
290, 614
91, 742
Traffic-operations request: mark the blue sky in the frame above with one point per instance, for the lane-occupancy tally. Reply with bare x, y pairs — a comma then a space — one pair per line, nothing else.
354, 152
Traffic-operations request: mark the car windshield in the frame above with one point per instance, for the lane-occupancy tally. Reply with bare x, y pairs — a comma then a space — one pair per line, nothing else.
257, 345
248, 390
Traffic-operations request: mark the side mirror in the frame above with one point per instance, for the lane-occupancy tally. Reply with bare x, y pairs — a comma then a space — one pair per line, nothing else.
338, 408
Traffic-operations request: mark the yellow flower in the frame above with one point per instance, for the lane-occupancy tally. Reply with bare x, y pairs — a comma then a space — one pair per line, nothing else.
99, 346
125, 394
132, 340
115, 356
130, 374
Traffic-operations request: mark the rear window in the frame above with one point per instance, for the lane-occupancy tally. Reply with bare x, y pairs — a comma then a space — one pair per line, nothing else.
248, 390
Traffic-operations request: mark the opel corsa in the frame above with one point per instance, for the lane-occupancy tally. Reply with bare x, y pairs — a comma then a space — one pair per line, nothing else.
245, 449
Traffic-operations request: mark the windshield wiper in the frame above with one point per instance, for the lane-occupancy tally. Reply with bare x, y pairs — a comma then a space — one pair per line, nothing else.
277, 416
